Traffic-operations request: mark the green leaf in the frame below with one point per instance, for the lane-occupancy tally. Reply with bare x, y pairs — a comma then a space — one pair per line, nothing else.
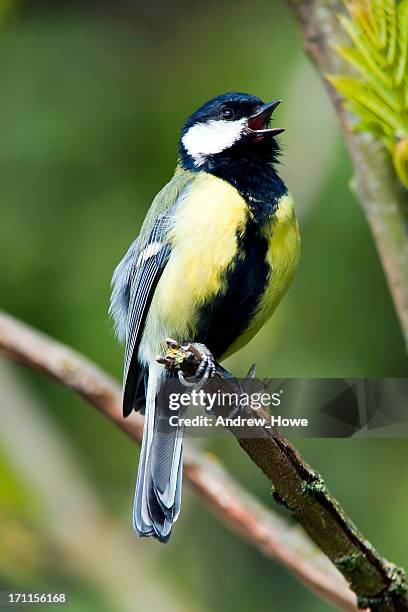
392, 27
403, 42
378, 96
378, 7
353, 57
371, 56
400, 158
360, 11
356, 90
371, 121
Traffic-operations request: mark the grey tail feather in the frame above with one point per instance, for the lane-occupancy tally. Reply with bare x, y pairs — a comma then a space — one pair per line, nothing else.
158, 488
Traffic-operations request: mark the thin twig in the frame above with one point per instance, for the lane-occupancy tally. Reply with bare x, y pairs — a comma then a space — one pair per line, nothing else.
377, 583
238, 511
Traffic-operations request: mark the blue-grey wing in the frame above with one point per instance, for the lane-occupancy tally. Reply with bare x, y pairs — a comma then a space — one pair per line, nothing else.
134, 282
121, 285
149, 267
135, 279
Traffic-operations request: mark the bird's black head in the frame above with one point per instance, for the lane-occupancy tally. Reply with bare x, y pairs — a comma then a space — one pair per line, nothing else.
230, 128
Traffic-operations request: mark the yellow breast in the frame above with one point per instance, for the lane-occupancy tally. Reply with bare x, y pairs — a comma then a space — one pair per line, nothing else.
204, 242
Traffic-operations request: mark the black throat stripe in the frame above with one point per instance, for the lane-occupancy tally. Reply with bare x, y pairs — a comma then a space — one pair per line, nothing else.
251, 171
228, 314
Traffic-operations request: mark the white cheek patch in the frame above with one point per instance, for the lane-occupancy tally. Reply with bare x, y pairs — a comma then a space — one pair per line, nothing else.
150, 251
212, 137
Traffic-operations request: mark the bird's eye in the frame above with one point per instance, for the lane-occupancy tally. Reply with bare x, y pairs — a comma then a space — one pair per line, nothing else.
227, 114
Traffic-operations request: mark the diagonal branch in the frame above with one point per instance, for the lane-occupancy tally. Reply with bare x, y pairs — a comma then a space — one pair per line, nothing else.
241, 513
383, 199
378, 584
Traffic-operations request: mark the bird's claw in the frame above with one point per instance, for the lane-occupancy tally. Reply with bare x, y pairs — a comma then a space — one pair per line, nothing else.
205, 370
172, 343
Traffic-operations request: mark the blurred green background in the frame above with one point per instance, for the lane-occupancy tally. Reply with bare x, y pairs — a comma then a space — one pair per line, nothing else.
92, 96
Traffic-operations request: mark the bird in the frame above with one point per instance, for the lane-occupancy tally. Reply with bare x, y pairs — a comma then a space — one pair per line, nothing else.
217, 250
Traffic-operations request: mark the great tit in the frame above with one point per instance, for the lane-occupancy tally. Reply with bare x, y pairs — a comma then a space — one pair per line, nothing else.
215, 254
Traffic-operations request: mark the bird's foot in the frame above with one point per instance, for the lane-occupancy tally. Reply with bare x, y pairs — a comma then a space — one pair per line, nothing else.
205, 370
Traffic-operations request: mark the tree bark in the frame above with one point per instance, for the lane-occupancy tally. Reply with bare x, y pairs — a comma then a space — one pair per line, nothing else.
382, 197
378, 584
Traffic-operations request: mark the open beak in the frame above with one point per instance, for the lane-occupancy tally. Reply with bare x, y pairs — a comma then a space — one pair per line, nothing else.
257, 123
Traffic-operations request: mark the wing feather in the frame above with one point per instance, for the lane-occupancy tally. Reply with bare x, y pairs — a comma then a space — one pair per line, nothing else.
144, 279
135, 279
